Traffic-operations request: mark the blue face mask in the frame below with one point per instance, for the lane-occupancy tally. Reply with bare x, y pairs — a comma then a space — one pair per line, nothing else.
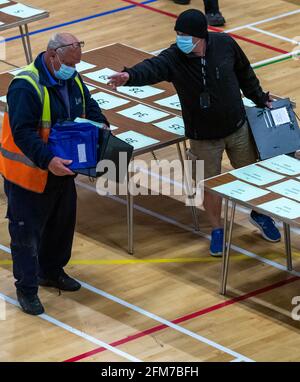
185, 43
65, 72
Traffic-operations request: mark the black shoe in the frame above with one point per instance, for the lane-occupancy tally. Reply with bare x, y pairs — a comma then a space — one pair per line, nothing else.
183, 2
215, 19
64, 282
30, 304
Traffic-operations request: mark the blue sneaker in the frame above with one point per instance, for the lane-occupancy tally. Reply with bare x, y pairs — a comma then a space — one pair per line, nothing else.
216, 243
266, 225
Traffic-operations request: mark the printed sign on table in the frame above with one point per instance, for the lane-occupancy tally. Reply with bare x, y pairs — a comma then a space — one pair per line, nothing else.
289, 188
136, 140
21, 10
173, 125
241, 190
82, 66
139, 91
283, 207
100, 75
256, 175
171, 102
283, 164
143, 113
107, 101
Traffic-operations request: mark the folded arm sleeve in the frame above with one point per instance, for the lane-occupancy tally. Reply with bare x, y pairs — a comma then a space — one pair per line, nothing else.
248, 81
150, 71
25, 111
93, 111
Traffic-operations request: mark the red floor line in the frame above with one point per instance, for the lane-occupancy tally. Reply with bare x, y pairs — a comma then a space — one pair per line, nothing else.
236, 36
187, 317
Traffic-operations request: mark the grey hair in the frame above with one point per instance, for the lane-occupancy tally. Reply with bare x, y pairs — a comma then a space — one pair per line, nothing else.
56, 41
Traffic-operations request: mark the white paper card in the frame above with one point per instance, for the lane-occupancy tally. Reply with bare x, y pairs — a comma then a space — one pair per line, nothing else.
143, 113
21, 10
173, 125
283, 207
81, 153
248, 102
171, 102
280, 116
289, 188
4, 2
84, 66
3, 99
283, 164
100, 75
256, 175
90, 88
100, 125
139, 91
107, 101
241, 191
136, 140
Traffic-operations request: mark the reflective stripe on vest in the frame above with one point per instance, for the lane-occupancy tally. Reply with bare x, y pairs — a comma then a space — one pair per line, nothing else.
14, 165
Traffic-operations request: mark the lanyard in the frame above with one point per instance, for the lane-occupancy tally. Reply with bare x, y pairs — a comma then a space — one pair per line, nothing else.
203, 71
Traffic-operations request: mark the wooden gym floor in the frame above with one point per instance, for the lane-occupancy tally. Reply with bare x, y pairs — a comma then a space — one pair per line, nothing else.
171, 274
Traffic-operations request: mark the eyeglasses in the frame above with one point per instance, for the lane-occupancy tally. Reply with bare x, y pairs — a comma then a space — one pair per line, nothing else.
75, 45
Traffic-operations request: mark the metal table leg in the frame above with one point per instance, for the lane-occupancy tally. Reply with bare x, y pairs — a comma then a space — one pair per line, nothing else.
288, 249
189, 187
226, 244
24, 43
29, 50
129, 217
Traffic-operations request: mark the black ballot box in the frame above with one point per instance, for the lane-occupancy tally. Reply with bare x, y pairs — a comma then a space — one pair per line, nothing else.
110, 148
275, 131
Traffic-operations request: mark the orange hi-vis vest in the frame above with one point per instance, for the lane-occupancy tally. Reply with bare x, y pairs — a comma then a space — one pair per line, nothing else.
14, 165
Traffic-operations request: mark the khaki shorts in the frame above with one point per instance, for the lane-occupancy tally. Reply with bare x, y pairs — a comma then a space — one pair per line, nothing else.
239, 147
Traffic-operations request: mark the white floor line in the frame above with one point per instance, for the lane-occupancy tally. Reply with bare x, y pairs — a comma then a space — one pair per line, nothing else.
263, 21
237, 360
276, 58
163, 321
77, 332
153, 316
136, 309
295, 42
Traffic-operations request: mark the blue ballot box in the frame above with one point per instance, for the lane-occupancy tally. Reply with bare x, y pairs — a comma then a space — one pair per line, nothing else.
75, 141
109, 148
275, 130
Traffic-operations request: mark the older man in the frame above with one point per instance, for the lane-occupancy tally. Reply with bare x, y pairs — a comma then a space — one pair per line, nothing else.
39, 186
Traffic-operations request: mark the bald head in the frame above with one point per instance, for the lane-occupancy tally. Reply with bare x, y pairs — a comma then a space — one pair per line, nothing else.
59, 40
63, 48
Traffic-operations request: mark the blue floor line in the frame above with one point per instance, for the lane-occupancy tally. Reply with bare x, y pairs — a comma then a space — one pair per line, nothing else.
77, 21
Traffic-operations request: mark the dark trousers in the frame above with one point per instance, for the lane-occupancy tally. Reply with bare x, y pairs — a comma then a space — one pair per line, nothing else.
41, 228
211, 6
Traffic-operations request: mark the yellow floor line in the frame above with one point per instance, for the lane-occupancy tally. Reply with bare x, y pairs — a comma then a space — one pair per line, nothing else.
207, 259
